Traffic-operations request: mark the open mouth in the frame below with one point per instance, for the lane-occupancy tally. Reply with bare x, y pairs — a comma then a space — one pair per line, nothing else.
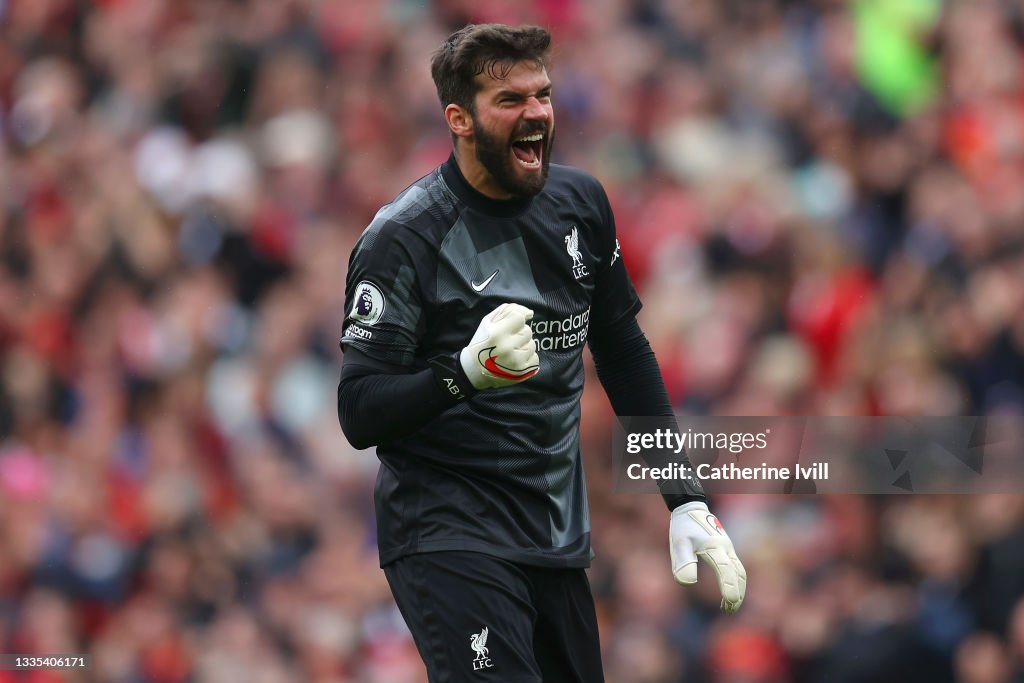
528, 150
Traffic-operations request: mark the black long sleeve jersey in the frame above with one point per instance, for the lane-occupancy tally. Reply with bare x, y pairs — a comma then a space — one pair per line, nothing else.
499, 472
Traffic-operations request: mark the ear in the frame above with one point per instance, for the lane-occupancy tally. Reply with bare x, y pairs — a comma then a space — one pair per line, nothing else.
459, 120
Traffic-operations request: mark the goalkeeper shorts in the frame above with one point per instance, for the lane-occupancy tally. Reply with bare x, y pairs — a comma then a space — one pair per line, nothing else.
476, 617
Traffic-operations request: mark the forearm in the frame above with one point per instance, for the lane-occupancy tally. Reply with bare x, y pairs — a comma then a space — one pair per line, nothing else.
376, 407
629, 373
380, 402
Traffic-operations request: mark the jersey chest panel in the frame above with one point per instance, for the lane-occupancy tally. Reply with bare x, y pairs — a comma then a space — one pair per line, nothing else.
548, 266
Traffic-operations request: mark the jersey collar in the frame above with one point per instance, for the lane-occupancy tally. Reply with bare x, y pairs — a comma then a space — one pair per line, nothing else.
481, 202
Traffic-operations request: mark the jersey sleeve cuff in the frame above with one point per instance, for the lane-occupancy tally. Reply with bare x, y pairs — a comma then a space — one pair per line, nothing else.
674, 500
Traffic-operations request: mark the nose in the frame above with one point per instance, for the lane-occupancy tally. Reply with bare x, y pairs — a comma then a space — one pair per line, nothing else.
537, 110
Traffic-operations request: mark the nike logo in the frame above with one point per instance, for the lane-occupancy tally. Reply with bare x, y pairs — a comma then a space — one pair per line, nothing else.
480, 287
491, 364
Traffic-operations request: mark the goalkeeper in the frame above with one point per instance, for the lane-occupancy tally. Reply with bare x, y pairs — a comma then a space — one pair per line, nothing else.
469, 299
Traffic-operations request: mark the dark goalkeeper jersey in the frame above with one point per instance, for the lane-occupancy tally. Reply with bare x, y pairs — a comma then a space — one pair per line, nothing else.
499, 472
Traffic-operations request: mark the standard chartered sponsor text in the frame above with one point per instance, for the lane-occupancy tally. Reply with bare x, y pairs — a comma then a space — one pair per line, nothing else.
561, 335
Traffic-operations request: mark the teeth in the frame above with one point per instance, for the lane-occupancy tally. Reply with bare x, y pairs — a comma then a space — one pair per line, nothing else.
536, 137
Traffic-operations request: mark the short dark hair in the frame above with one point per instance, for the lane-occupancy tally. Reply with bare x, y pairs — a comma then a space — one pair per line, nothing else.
473, 49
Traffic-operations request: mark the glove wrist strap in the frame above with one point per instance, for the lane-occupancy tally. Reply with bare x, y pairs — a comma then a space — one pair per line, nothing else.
698, 505
450, 376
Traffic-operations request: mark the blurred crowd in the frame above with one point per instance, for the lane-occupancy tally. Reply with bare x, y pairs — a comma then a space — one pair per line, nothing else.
820, 202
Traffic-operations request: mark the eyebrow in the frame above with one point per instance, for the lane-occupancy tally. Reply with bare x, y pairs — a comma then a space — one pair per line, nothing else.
518, 95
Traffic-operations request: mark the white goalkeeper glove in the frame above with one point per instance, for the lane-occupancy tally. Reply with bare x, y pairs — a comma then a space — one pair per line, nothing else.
695, 532
502, 351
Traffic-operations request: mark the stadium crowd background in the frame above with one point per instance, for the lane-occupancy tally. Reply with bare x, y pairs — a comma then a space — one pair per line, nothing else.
821, 204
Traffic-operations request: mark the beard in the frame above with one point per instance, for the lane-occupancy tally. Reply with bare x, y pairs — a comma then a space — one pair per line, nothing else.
495, 155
